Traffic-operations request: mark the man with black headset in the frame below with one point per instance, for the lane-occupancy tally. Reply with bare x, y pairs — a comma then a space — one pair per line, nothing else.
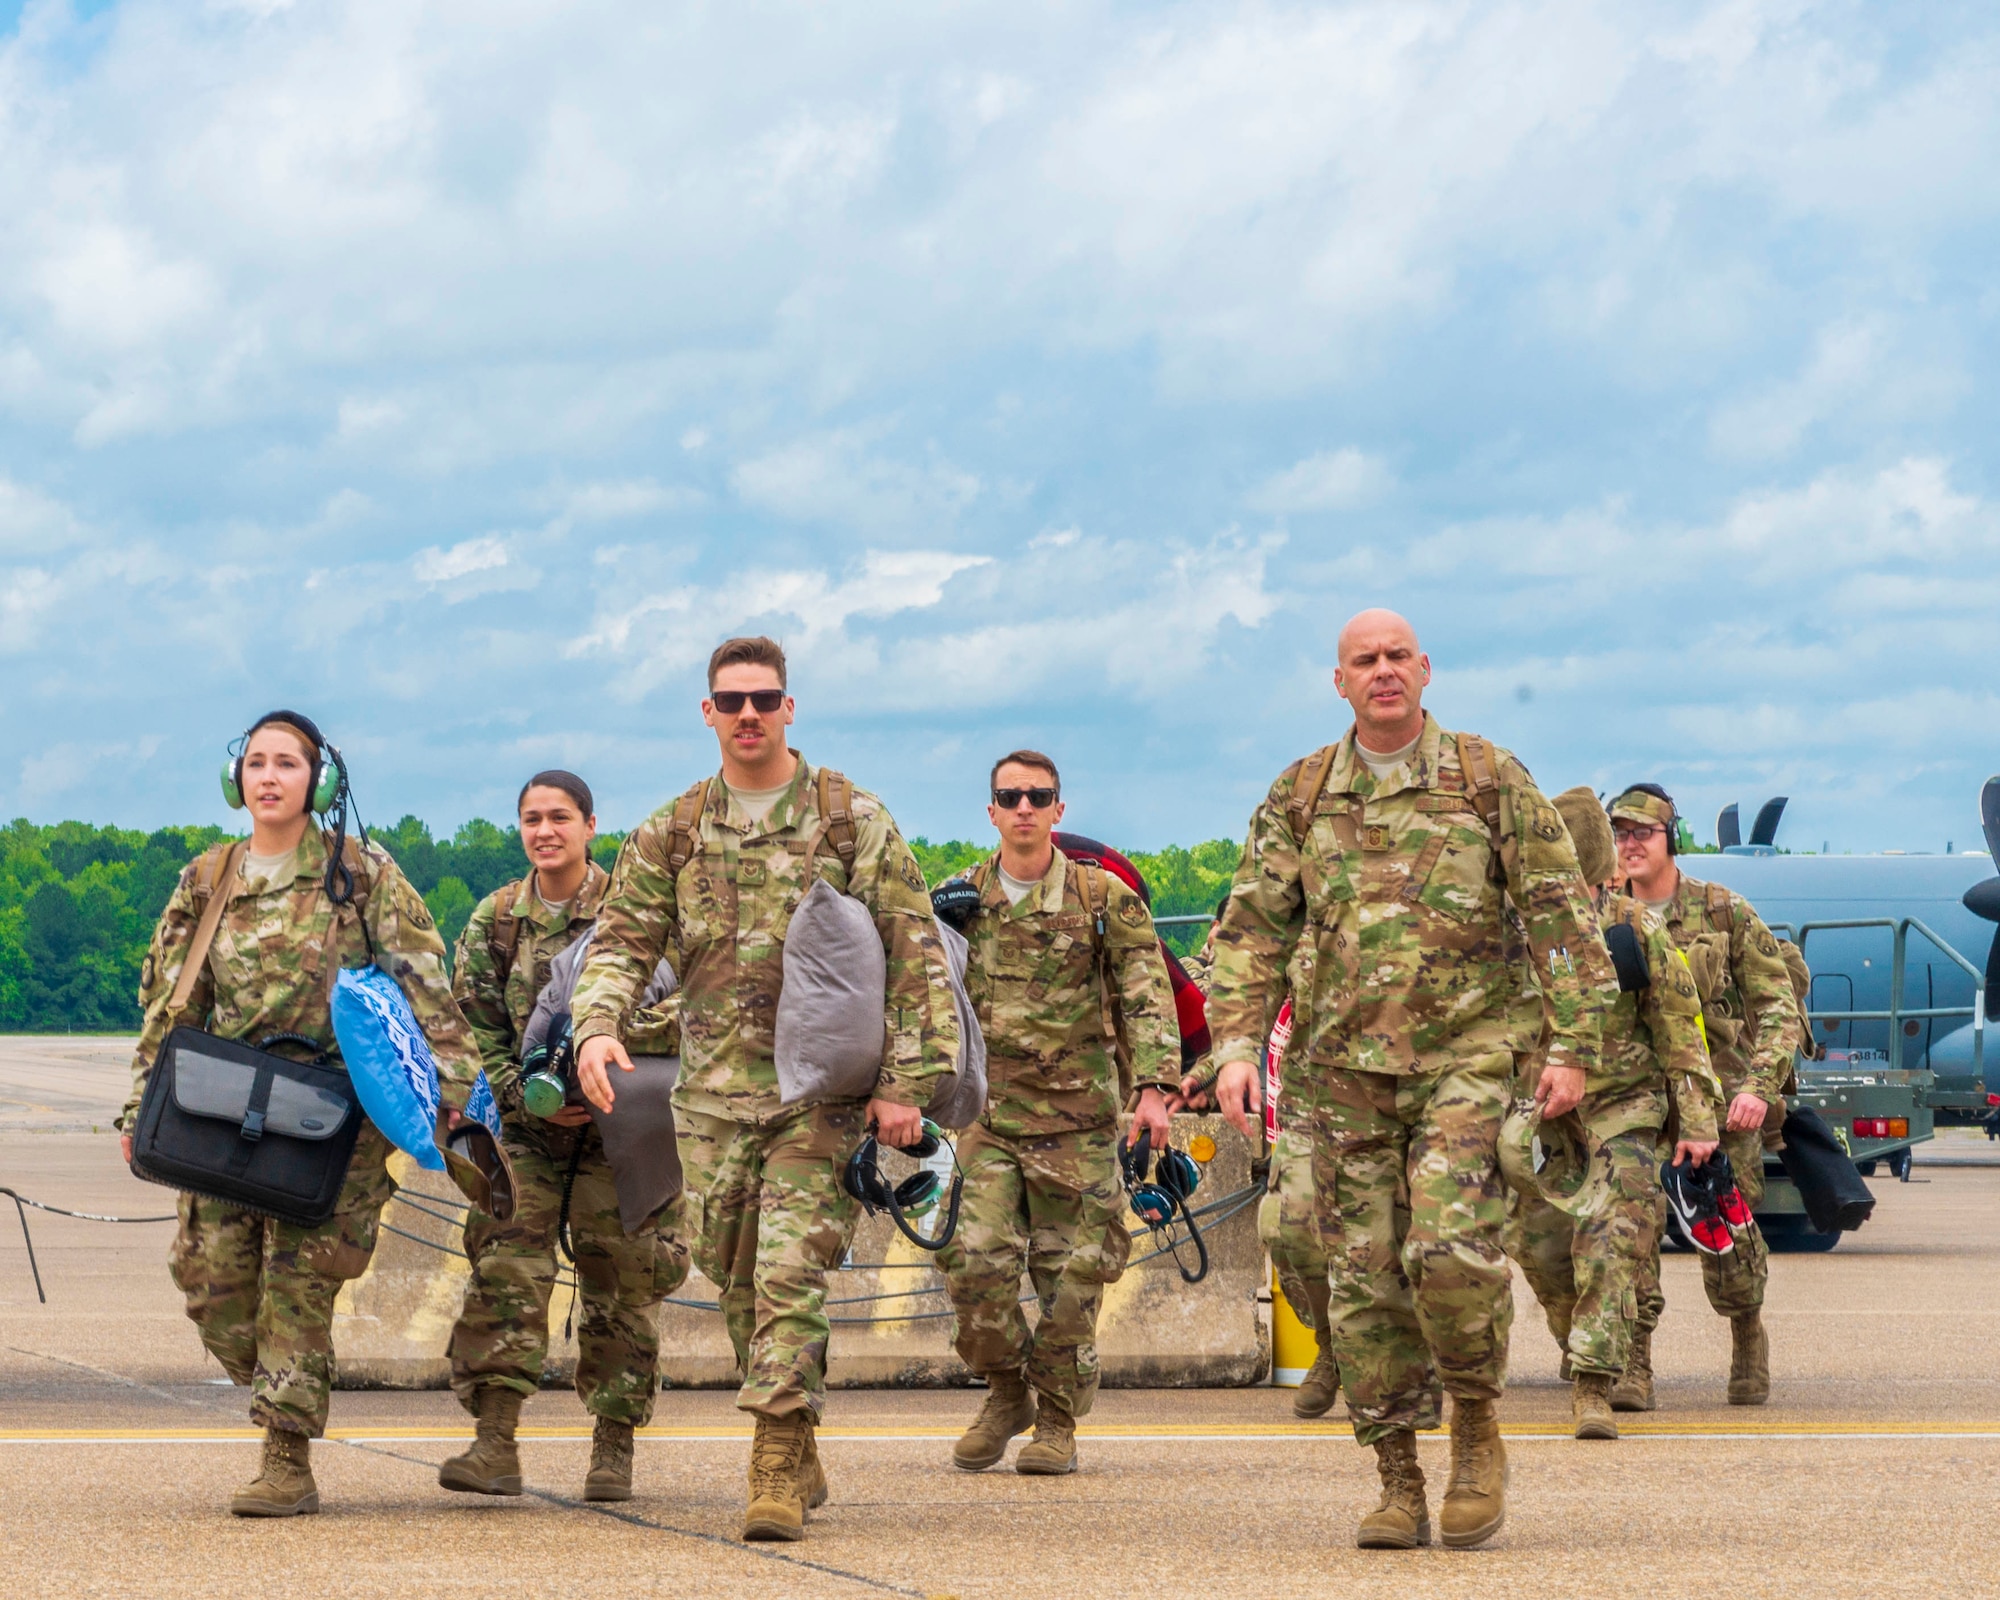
1056, 948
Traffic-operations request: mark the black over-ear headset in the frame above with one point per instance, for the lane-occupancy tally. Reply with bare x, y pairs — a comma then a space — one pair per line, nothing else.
915, 1196
1155, 1201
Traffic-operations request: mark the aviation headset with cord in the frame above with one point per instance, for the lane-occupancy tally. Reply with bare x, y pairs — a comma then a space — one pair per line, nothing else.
916, 1195
330, 792
1157, 1200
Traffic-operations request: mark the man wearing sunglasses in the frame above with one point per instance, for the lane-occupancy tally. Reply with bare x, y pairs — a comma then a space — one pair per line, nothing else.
1751, 1017
1063, 957
709, 883
1381, 883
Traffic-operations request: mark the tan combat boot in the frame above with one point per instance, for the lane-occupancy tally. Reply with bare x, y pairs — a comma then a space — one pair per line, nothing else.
1749, 1360
492, 1465
777, 1505
1475, 1501
1009, 1409
1402, 1521
610, 1474
1590, 1406
1316, 1394
812, 1476
1634, 1390
284, 1486
1052, 1451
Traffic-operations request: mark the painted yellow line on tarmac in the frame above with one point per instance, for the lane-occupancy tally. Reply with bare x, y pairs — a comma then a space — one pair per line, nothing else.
1110, 1433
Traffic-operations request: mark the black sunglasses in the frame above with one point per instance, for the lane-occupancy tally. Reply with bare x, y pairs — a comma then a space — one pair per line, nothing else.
730, 701
1008, 799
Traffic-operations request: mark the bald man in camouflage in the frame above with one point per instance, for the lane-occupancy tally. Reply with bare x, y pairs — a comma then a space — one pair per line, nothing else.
1375, 887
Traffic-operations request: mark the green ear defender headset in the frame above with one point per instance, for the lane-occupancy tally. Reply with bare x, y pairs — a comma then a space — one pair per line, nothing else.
326, 774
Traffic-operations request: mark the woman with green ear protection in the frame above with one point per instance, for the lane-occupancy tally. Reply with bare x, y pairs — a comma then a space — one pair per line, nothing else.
297, 902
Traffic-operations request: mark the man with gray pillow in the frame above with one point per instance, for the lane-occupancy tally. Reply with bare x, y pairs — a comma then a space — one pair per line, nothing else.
710, 883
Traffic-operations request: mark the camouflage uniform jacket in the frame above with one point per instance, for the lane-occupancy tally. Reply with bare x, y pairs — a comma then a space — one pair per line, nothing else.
1390, 924
1653, 1046
1036, 977
726, 914
1749, 1010
267, 970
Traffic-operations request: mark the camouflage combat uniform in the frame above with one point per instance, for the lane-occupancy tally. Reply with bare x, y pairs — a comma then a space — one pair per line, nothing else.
1388, 927
261, 1291
1752, 1021
767, 1215
1042, 1181
502, 1335
1586, 1259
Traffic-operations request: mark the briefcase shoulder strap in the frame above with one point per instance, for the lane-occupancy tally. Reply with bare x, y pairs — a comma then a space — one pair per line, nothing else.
211, 919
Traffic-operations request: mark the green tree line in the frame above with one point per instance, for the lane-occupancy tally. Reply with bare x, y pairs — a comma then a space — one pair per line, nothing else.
78, 902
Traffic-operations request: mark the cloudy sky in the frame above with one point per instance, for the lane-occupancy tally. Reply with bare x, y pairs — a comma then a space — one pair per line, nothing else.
1049, 373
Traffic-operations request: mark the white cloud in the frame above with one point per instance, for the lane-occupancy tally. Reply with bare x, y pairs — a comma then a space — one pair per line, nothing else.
461, 560
1330, 480
835, 477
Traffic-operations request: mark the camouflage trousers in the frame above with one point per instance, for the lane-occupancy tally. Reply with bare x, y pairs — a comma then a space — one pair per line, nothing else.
1586, 1260
261, 1291
768, 1218
1735, 1282
1406, 1177
1288, 1225
1054, 1204
502, 1335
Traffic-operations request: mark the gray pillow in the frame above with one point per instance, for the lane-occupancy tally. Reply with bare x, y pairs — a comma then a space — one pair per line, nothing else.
830, 1033
638, 1132
962, 1095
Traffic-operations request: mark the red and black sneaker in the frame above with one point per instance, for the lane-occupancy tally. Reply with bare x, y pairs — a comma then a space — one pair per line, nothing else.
1692, 1198
1712, 1237
1729, 1202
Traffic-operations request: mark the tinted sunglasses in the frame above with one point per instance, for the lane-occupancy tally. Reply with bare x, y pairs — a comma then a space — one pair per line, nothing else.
730, 701
1008, 799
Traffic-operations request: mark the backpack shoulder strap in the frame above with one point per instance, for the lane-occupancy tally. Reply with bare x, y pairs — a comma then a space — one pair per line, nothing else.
836, 810
213, 876
503, 938
1722, 907
1306, 792
681, 829
1482, 778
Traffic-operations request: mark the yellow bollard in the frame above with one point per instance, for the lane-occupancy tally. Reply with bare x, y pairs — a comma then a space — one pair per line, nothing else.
1293, 1347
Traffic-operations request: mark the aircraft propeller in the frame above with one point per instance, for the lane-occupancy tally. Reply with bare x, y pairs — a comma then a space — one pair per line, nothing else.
1983, 898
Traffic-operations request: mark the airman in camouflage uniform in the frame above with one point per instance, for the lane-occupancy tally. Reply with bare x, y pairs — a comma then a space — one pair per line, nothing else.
1751, 1018
1584, 1256
767, 1214
261, 1291
1380, 903
1288, 1217
502, 1335
1042, 1180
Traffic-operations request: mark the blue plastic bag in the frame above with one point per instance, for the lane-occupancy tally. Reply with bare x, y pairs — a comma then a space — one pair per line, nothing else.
391, 1066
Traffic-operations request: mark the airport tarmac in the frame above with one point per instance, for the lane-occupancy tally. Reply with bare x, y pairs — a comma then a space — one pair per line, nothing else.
1874, 1463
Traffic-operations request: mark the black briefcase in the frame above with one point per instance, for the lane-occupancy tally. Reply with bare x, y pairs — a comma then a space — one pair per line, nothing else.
1837, 1201
249, 1128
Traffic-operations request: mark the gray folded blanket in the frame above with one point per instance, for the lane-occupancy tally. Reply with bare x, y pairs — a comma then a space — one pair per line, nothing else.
638, 1130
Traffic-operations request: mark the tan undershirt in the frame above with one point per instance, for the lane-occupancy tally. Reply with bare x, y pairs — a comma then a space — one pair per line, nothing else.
1016, 889
757, 803
261, 872
1382, 763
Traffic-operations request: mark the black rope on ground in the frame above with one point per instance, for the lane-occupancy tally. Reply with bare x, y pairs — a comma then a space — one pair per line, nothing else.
22, 1202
